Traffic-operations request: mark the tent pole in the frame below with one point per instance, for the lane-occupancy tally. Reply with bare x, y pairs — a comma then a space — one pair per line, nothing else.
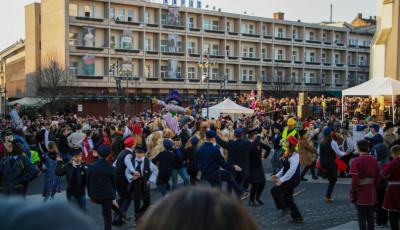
342, 108
392, 107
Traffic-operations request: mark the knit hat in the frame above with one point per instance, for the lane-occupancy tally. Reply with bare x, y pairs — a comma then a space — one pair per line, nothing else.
292, 140
211, 134
167, 143
376, 127
104, 150
291, 122
194, 140
129, 142
174, 96
327, 130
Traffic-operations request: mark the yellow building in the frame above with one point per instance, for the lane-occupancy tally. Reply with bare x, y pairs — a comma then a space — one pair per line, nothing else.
385, 45
161, 46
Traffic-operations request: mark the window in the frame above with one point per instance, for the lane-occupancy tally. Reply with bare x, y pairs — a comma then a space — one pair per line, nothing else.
73, 68
349, 60
206, 24
353, 42
112, 41
73, 10
214, 75
323, 57
228, 50
251, 52
164, 19
227, 73
294, 34
323, 78
251, 75
147, 17
337, 81
280, 32
206, 48
244, 75
337, 38
312, 36
367, 43
263, 76
362, 61
215, 25
244, 28
312, 57
294, 55
215, 50
122, 15
337, 59
244, 51
264, 31
130, 15
191, 49
279, 76
280, 55
179, 47
264, 53
112, 14
251, 29
360, 79
190, 22
164, 71
73, 38
311, 79
147, 45
228, 26
191, 72
89, 11
164, 45
324, 37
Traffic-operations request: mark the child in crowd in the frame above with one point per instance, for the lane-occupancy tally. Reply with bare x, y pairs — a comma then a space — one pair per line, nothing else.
165, 160
365, 175
76, 172
391, 172
87, 147
139, 186
51, 180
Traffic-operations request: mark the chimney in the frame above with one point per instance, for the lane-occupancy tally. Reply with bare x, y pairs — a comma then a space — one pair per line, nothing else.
359, 15
279, 16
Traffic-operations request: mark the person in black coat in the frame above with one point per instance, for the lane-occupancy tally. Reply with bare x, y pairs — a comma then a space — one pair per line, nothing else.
76, 173
180, 157
165, 160
184, 132
191, 167
238, 154
63, 146
102, 186
257, 175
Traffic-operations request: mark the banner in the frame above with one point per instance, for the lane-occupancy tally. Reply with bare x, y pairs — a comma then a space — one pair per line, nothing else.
173, 16
127, 65
88, 65
172, 68
173, 43
89, 36
126, 43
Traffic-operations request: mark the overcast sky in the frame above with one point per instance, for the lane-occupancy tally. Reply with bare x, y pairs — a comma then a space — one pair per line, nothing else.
12, 16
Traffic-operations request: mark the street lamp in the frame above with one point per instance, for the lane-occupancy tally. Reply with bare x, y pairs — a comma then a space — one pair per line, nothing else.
222, 83
206, 65
114, 67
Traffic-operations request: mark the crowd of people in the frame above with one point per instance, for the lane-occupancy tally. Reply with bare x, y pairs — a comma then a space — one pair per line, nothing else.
121, 154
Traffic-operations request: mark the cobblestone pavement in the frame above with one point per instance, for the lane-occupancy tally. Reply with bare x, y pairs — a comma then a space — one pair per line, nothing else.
341, 214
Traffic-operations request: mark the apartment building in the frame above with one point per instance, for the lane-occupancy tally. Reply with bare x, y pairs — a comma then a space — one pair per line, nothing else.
159, 48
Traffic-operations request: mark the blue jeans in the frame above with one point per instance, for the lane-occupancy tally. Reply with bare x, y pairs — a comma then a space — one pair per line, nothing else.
183, 173
215, 179
275, 162
162, 188
78, 200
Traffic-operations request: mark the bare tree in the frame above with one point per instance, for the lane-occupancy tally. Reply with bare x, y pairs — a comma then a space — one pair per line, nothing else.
281, 83
54, 86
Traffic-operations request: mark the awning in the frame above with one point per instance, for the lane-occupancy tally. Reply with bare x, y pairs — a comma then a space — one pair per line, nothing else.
28, 102
333, 93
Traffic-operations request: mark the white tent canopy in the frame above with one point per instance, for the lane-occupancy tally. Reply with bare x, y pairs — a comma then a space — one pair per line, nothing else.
227, 107
376, 86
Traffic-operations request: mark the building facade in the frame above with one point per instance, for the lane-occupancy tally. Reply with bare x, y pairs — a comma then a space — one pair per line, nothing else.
159, 48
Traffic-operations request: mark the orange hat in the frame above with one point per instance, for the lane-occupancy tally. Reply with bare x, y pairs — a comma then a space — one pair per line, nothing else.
129, 142
292, 140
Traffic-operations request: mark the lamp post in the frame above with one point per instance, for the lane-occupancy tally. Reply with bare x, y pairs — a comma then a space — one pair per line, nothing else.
136, 79
206, 65
114, 67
